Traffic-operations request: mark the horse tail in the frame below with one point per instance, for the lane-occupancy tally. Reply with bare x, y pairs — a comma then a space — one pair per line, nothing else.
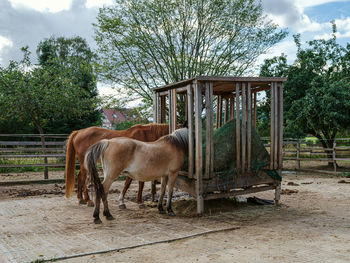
70, 164
95, 152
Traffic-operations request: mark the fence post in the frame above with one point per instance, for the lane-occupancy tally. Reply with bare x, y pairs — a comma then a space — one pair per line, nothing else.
298, 154
334, 156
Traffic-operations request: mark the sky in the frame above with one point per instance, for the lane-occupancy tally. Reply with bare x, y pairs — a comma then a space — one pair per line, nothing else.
27, 22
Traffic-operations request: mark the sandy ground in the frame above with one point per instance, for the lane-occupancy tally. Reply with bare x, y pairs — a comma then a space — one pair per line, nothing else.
311, 225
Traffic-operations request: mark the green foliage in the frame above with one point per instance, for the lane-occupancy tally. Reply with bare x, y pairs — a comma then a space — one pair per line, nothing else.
39, 94
317, 92
145, 44
57, 96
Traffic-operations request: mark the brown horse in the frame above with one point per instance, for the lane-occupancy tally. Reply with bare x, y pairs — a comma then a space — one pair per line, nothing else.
144, 161
79, 142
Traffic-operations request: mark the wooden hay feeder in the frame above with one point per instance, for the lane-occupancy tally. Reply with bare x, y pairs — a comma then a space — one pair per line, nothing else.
236, 100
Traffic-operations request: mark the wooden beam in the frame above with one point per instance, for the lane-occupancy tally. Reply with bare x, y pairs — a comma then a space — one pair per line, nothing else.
240, 192
209, 129
171, 114
238, 131
272, 125
227, 110
244, 128
199, 150
220, 112
217, 111
155, 107
174, 109
280, 131
249, 127
162, 109
190, 130
275, 158
232, 108
254, 123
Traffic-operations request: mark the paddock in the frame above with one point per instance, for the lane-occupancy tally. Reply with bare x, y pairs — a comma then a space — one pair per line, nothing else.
312, 223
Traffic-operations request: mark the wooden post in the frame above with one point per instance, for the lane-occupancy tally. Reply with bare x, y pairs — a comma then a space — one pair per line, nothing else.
254, 123
218, 100
272, 125
155, 106
171, 114
275, 151
199, 152
244, 127
190, 130
174, 96
334, 156
277, 193
280, 129
209, 129
249, 127
298, 154
238, 130
226, 113
162, 109
232, 108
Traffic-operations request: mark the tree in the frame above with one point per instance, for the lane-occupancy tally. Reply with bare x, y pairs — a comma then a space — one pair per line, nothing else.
145, 44
75, 54
317, 92
40, 94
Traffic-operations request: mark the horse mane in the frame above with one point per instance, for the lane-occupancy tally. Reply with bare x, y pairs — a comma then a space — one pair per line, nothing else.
179, 138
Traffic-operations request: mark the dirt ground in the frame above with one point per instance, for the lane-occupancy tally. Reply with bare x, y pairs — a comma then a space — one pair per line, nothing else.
312, 224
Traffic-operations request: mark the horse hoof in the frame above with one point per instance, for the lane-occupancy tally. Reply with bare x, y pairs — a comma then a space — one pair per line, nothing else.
123, 206
82, 202
90, 203
110, 217
142, 206
97, 221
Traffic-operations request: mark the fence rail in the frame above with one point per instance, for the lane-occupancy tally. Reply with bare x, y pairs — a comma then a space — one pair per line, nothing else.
27, 150
301, 150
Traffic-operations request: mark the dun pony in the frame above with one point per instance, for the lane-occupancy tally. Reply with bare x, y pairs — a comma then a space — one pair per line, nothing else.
144, 161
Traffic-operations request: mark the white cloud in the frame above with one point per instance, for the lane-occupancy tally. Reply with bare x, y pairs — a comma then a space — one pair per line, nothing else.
42, 5
97, 3
4, 44
343, 29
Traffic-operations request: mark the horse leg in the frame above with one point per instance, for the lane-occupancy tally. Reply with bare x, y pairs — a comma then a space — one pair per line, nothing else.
96, 214
139, 194
127, 183
83, 184
161, 196
80, 184
154, 190
106, 212
171, 183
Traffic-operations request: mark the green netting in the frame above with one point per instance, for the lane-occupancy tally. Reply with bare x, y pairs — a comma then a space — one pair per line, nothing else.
225, 153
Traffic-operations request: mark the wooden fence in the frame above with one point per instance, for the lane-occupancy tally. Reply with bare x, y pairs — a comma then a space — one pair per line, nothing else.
27, 150
301, 150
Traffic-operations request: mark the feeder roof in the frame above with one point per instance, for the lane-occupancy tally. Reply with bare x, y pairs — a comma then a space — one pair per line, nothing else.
224, 85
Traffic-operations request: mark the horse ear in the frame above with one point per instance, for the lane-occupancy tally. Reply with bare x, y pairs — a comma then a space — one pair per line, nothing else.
185, 125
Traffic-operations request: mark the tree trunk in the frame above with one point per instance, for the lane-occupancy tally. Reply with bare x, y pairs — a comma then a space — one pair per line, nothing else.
42, 138
327, 143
